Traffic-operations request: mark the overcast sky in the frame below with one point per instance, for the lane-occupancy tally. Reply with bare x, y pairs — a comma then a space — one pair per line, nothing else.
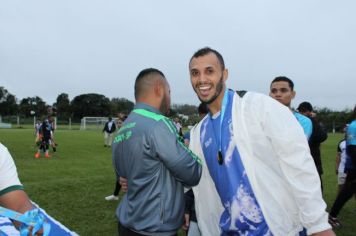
76, 47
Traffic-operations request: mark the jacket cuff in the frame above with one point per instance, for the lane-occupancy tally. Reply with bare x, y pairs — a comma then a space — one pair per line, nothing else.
316, 228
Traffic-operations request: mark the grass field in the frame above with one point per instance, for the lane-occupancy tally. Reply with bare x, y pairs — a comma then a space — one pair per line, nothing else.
72, 184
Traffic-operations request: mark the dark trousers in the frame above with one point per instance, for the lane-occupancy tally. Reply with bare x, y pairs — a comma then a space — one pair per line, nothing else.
348, 190
117, 188
123, 231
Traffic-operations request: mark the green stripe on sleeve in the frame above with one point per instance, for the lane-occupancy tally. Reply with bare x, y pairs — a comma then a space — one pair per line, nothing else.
148, 114
10, 189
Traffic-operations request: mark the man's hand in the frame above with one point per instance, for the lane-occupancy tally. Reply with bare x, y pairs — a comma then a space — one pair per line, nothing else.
328, 232
123, 183
185, 225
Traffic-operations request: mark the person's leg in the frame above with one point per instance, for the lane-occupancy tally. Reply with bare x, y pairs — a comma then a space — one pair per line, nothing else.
53, 144
109, 141
115, 195
47, 146
117, 188
345, 194
105, 139
43, 144
39, 147
341, 178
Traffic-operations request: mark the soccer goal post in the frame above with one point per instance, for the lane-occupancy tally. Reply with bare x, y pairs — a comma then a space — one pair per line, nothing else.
93, 123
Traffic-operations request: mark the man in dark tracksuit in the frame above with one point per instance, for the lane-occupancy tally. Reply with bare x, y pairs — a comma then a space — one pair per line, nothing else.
318, 136
148, 152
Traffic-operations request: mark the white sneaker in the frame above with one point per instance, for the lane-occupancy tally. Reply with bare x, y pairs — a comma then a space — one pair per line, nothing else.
111, 198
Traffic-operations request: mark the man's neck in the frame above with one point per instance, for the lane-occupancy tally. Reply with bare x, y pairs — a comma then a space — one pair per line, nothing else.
149, 101
215, 106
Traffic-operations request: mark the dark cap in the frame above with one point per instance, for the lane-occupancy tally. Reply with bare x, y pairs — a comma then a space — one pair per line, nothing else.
305, 106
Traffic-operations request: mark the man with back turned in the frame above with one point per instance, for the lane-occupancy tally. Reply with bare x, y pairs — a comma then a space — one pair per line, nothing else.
149, 153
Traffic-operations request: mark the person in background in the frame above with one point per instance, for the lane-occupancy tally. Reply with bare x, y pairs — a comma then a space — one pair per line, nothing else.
282, 89
349, 188
44, 142
178, 126
109, 130
52, 123
37, 131
121, 117
341, 157
190, 218
115, 196
318, 136
202, 111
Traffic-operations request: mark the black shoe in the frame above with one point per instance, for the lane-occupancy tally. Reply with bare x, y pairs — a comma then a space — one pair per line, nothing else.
334, 222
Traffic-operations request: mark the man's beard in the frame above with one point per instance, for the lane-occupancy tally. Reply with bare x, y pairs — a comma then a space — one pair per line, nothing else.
219, 88
164, 108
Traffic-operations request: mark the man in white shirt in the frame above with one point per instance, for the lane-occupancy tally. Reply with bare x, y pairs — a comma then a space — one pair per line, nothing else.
261, 143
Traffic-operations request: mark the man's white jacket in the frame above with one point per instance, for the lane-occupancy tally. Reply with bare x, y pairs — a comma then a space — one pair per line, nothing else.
277, 160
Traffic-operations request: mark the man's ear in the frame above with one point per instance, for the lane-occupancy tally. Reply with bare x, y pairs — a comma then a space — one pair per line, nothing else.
293, 94
157, 88
225, 74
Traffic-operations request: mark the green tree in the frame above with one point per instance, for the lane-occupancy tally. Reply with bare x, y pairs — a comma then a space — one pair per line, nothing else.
8, 104
121, 105
32, 106
185, 109
62, 106
333, 120
90, 104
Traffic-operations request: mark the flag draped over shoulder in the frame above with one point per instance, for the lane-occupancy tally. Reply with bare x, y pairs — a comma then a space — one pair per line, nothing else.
56, 228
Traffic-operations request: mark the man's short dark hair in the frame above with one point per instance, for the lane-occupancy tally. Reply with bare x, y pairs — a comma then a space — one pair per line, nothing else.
305, 107
141, 77
284, 79
205, 51
203, 109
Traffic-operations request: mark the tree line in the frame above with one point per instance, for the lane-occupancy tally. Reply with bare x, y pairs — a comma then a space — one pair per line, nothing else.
92, 104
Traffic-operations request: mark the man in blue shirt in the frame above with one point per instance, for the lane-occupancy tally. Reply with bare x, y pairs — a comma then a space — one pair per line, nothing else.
282, 89
349, 188
258, 177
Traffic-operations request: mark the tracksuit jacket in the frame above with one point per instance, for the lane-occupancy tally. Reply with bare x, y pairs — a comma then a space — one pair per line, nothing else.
148, 152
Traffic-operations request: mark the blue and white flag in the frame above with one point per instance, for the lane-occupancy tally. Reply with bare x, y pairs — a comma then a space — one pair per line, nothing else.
55, 228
